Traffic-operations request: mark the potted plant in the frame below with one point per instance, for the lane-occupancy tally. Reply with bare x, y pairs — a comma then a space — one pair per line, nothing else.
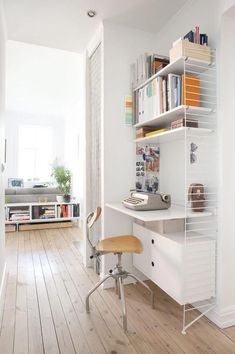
63, 178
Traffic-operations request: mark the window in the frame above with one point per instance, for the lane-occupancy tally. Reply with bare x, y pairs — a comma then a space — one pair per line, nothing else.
35, 152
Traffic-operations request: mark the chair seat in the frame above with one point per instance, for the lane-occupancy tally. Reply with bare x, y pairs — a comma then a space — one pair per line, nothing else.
120, 244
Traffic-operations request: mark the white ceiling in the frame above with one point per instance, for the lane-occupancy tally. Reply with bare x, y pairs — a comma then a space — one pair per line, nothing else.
63, 24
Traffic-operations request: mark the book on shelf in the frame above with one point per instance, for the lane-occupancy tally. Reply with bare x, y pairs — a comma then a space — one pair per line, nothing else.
182, 122
164, 93
76, 210
65, 210
18, 217
156, 131
173, 91
146, 66
194, 36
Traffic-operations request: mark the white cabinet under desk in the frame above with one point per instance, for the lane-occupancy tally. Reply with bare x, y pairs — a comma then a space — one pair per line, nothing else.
185, 272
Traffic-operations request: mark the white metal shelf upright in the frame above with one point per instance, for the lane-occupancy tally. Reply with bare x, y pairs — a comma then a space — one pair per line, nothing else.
201, 158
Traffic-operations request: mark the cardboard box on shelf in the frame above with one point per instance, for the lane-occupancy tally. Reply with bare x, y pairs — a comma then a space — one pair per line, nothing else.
184, 48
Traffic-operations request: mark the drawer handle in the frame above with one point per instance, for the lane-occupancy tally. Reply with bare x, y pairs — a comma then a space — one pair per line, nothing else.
152, 264
152, 241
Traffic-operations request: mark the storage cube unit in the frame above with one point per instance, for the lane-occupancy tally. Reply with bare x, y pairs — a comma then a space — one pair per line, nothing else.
35, 213
184, 271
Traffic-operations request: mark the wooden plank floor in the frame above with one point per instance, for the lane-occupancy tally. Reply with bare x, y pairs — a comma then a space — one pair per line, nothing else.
44, 308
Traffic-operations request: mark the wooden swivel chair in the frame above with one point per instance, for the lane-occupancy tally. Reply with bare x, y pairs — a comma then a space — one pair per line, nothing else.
117, 245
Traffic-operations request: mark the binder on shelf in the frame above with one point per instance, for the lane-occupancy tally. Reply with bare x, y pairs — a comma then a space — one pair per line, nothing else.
159, 95
143, 104
174, 91
140, 105
154, 98
190, 90
164, 94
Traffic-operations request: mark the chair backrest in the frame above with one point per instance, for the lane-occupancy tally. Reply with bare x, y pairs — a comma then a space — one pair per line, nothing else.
93, 217
90, 220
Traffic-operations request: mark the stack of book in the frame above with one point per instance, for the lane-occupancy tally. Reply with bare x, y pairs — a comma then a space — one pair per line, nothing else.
17, 214
47, 212
166, 93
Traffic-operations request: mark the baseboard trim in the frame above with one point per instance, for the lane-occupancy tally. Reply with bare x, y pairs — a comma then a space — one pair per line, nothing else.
3, 289
224, 318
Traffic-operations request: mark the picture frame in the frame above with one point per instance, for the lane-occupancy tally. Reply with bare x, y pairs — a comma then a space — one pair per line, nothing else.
15, 183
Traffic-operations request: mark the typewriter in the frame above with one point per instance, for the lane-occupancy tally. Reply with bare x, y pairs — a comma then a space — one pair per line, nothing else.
147, 201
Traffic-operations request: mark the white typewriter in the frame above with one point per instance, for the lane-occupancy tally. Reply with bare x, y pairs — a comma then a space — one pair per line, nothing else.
147, 201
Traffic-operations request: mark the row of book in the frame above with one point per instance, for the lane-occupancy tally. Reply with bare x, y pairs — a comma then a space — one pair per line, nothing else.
165, 93
43, 212
68, 210
146, 66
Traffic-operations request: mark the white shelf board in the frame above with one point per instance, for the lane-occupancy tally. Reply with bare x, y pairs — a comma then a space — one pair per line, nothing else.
166, 118
174, 134
174, 212
176, 67
39, 204
31, 221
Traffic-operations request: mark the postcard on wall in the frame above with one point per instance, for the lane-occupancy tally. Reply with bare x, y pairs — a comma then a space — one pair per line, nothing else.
128, 110
147, 167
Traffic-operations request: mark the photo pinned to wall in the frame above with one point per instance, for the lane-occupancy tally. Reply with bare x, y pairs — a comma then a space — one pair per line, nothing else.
128, 110
147, 168
193, 155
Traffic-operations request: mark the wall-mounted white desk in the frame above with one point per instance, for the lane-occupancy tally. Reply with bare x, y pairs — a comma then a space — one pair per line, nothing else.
174, 212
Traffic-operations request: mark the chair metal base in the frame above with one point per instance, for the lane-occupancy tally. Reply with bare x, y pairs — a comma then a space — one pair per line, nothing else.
118, 274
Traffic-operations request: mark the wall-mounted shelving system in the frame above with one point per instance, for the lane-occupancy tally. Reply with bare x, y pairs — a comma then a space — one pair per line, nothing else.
197, 244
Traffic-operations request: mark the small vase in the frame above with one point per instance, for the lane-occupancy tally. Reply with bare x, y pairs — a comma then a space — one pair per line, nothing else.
67, 198
60, 198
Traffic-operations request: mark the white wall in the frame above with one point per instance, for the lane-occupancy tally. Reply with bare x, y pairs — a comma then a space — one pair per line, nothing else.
2, 112
194, 12
122, 45
41, 80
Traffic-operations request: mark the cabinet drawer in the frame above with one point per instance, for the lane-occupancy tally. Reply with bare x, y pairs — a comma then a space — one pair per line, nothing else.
140, 260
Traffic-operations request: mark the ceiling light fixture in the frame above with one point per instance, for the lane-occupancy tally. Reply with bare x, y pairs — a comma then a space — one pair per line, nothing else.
91, 13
